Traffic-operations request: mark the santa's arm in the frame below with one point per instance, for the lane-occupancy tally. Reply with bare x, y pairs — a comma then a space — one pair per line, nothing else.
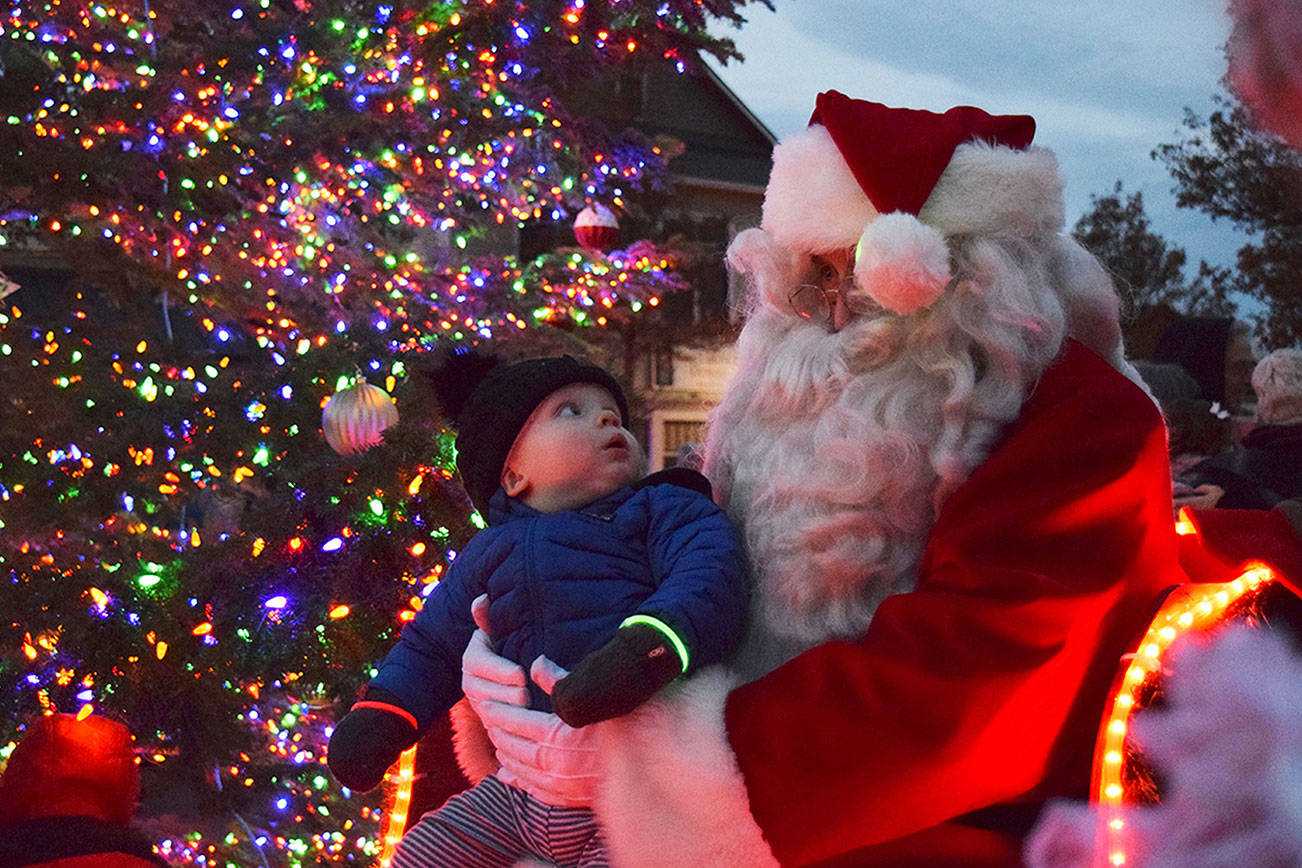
1217, 544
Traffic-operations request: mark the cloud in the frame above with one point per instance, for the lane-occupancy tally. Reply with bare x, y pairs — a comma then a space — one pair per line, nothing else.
1062, 46
1106, 81
794, 66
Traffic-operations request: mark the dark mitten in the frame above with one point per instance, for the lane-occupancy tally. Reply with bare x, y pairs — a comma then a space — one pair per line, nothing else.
617, 677
368, 740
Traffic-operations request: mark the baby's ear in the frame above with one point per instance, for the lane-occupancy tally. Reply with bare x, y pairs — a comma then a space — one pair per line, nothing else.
513, 483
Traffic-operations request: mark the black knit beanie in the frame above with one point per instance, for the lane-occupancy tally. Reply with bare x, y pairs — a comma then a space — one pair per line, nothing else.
491, 403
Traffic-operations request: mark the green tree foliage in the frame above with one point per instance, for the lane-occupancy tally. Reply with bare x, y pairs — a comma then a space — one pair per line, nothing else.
1149, 271
182, 550
305, 164
254, 201
1230, 170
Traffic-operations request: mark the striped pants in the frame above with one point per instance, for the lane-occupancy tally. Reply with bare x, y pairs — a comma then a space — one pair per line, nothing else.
493, 825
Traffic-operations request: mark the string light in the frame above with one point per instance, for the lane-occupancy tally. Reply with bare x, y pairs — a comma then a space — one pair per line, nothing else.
280, 239
401, 778
324, 234
1189, 608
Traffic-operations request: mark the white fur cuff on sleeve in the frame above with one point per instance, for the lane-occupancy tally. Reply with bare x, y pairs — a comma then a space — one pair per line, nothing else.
672, 793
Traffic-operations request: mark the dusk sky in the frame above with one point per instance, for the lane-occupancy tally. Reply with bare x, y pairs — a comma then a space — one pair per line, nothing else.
1106, 81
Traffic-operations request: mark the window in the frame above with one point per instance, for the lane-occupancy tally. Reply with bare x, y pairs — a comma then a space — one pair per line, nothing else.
663, 366
680, 436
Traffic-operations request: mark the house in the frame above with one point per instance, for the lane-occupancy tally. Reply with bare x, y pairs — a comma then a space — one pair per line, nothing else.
718, 190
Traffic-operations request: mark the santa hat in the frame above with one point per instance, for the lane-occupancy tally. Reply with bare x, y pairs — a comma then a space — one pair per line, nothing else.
895, 183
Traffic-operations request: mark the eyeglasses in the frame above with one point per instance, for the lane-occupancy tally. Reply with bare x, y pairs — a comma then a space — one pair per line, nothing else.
832, 275
814, 302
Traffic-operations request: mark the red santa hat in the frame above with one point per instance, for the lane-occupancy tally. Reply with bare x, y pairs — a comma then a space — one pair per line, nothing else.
894, 183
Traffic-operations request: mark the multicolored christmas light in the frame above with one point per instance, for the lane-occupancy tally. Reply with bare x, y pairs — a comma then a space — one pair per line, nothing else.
313, 165
272, 195
182, 549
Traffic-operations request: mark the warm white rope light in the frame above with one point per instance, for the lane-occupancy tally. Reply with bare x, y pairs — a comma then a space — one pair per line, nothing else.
402, 776
1190, 608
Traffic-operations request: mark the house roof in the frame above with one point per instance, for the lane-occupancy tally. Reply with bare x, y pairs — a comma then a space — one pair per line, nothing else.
724, 144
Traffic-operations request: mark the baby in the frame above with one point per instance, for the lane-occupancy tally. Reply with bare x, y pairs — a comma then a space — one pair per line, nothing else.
628, 582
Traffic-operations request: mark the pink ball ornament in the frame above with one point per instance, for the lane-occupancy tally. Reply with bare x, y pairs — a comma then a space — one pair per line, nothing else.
596, 228
355, 418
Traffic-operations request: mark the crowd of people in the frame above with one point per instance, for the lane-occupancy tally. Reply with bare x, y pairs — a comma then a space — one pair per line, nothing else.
1234, 421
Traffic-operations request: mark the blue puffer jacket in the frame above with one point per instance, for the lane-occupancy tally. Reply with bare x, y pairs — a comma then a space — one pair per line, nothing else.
561, 583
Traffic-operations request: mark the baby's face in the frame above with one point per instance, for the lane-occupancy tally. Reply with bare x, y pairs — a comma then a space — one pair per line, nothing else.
571, 451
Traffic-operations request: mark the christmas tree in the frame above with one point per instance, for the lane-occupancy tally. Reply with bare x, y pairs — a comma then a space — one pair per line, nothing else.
259, 205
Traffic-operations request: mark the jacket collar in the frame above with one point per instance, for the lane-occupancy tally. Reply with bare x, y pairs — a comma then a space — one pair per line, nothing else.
502, 508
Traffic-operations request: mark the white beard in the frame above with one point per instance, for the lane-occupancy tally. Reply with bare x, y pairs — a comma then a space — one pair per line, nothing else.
832, 452
826, 467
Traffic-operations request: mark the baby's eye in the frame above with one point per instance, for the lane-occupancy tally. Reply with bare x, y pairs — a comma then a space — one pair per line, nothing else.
569, 410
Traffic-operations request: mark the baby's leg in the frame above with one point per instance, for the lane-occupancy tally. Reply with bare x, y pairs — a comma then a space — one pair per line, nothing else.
476, 829
594, 855
564, 837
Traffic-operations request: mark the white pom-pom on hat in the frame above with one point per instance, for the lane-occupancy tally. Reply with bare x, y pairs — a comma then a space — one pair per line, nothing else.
902, 263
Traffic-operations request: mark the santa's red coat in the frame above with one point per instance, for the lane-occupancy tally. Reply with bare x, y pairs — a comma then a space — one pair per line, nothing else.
985, 685
933, 738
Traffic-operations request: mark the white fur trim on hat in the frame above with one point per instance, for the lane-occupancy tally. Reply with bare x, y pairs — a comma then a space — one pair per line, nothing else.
673, 794
993, 190
813, 202
901, 263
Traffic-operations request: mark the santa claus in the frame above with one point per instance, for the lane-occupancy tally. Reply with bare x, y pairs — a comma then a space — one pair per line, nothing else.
956, 503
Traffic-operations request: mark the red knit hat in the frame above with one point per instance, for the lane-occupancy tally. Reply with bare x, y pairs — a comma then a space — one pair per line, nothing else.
65, 766
894, 183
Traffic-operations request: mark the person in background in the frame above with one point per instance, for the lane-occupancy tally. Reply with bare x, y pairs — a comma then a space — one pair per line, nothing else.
1265, 467
1197, 430
1218, 353
68, 796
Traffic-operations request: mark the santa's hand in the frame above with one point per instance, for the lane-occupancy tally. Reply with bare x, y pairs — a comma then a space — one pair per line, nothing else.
545, 673
538, 752
485, 675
